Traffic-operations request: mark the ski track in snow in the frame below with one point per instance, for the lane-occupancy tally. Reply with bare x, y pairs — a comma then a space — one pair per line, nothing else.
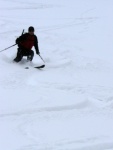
68, 104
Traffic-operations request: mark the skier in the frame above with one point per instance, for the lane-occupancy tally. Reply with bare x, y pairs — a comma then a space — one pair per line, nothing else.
25, 43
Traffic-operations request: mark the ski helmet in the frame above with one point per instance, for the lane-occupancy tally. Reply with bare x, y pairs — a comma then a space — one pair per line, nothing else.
31, 29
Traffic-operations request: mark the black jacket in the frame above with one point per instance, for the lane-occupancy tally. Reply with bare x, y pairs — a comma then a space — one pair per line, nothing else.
27, 41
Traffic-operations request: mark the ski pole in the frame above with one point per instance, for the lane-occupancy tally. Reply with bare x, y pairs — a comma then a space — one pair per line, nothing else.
41, 58
11, 45
42, 65
23, 32
7, 48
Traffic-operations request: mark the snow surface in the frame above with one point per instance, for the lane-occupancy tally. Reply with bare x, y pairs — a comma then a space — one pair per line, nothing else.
68, 105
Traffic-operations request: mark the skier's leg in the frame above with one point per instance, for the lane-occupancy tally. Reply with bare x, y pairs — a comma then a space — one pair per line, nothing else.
19, 55
30, 55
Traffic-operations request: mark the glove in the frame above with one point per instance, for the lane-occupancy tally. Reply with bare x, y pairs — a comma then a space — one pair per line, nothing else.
37, 52
17, 41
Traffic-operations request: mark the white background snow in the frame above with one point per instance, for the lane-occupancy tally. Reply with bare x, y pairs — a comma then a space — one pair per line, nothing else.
68, 105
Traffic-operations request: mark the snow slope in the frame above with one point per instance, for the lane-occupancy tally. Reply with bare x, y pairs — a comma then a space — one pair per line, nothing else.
68, 105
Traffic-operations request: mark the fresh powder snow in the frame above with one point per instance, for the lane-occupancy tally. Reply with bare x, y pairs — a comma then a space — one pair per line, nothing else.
68, 105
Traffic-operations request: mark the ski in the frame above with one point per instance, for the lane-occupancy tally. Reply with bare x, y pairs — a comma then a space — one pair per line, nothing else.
37, 67
26, 67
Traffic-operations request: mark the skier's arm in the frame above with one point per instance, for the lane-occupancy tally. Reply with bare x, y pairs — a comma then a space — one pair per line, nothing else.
36, 45
21, 38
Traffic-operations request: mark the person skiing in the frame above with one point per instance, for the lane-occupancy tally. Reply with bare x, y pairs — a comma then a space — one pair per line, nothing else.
25, 43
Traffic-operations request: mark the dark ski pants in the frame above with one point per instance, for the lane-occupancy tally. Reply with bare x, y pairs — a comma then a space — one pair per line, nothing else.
23, 52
